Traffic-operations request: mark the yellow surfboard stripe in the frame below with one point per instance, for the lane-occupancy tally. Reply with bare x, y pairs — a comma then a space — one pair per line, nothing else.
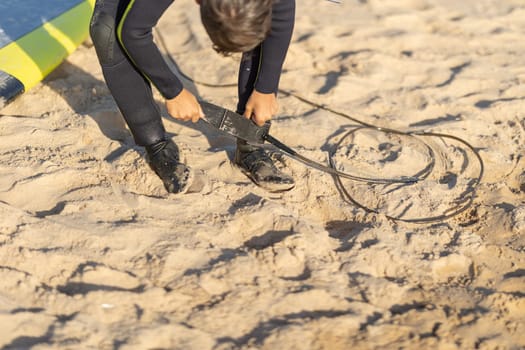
36, 54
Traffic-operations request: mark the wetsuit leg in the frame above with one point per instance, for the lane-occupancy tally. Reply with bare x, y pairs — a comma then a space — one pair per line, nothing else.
252, 160
248, 70
130, 89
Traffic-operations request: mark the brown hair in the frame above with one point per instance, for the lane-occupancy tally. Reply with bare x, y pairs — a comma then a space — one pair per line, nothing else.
236, 25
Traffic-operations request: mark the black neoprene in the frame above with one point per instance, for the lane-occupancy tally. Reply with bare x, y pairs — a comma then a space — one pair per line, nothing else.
121, 31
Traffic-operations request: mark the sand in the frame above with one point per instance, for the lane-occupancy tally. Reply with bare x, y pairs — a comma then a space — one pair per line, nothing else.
95, 255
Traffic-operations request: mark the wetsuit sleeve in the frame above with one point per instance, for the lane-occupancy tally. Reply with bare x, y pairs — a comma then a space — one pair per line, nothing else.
275, 46
136, 37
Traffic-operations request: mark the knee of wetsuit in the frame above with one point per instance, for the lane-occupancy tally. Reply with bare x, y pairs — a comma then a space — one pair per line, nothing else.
102, 32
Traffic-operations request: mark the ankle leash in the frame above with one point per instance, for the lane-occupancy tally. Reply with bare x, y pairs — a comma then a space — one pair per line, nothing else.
236, 125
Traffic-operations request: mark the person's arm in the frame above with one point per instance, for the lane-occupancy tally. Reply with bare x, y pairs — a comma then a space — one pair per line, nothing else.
275, 46
262, 103
135, 35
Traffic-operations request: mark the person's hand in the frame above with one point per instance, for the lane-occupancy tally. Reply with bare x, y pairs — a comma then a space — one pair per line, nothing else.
261, 107
185, 107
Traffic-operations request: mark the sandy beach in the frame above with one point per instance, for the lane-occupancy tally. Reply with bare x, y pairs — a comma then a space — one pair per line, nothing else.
94, 254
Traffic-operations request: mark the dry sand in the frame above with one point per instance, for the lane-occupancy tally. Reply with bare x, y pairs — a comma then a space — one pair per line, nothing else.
95, 255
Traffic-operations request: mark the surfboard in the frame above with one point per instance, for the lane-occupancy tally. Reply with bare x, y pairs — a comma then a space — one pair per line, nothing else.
35, 37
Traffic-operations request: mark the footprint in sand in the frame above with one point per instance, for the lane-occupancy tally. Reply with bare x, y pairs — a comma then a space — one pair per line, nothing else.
91, 277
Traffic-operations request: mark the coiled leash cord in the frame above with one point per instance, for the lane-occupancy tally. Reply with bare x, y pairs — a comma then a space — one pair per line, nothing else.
234, 124
467, 196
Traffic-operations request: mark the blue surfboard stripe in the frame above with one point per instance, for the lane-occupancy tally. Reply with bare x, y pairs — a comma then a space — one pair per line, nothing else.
17, 18
10, 87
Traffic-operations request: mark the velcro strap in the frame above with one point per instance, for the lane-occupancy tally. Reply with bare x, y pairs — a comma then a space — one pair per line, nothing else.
234, 124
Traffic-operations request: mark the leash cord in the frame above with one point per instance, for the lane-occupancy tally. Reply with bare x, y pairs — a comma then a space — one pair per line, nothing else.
461, 205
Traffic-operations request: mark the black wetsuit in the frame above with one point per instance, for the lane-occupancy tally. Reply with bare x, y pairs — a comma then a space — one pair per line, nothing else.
121, 31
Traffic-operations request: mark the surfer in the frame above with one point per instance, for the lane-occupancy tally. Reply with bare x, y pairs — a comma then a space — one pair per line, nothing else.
261, 30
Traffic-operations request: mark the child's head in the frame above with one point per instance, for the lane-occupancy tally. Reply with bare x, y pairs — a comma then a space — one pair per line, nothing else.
236, 25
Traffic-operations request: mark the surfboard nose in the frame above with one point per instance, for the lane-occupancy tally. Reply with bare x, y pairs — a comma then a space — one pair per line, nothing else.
36, 38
